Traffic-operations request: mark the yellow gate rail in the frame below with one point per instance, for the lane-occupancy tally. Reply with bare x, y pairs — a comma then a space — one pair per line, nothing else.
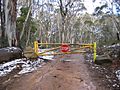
82, 46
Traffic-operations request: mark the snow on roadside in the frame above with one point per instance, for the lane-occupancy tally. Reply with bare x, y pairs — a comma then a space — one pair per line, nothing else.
118, 74
30, 66
27, 65
111, 46
34, 65
9, 66
49, 57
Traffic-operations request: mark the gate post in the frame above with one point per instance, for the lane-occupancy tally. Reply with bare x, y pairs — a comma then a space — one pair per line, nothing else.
36, 47
94, 47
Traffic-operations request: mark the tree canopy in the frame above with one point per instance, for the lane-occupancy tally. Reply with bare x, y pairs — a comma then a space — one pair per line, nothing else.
25, 21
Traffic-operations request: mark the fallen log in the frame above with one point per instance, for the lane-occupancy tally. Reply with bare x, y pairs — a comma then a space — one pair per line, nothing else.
10, 53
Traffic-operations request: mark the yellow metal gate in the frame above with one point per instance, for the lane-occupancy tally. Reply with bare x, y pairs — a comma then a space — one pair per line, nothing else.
56, 48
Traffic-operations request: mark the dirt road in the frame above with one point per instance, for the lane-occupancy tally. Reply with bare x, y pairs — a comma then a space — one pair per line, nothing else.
57, 75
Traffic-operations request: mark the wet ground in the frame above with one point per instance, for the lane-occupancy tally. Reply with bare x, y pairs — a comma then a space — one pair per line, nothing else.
69, 72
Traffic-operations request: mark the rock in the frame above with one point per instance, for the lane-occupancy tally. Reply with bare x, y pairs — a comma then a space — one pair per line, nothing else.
29, 53
102, 59
10, 53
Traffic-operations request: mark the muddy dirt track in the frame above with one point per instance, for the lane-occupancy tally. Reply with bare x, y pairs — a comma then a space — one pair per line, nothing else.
57, 75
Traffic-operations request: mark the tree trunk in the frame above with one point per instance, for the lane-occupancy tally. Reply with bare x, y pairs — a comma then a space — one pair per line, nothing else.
2, 14
10, 20
28, 38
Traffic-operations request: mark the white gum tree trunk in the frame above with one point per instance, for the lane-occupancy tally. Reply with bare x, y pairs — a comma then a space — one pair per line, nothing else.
10, 20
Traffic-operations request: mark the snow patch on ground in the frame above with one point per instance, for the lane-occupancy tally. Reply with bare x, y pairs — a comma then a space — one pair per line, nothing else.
111, 46
49, 57
30, 66
118, 74
27, 66
12, 48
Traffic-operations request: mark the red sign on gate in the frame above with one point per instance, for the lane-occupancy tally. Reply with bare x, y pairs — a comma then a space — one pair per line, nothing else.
65, 48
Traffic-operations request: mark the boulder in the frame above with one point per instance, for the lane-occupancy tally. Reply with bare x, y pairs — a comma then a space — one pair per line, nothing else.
10, 53
29, 53
103, 59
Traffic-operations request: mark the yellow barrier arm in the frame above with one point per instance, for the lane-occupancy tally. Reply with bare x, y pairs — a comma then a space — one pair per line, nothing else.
94, 47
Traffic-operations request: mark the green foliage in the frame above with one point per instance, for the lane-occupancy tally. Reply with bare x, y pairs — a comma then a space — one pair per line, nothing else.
88, 22
24, 11
33, 26
30, 24
21, 19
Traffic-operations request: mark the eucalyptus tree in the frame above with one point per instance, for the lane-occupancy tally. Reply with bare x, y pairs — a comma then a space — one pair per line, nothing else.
2, 24
8, 20
43, 17
110, 29
69, 9
85, 28
60, 22
26, 25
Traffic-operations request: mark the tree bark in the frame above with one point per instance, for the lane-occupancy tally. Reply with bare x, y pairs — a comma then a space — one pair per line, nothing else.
28, 38
2, 14
10, 20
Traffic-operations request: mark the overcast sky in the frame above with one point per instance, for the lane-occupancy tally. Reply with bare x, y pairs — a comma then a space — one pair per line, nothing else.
88, 4
91, 6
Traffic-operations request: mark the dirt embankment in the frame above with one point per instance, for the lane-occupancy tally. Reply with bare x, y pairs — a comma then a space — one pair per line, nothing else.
57, 75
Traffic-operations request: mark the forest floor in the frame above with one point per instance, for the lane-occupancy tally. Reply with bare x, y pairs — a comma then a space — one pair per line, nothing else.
73, 74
